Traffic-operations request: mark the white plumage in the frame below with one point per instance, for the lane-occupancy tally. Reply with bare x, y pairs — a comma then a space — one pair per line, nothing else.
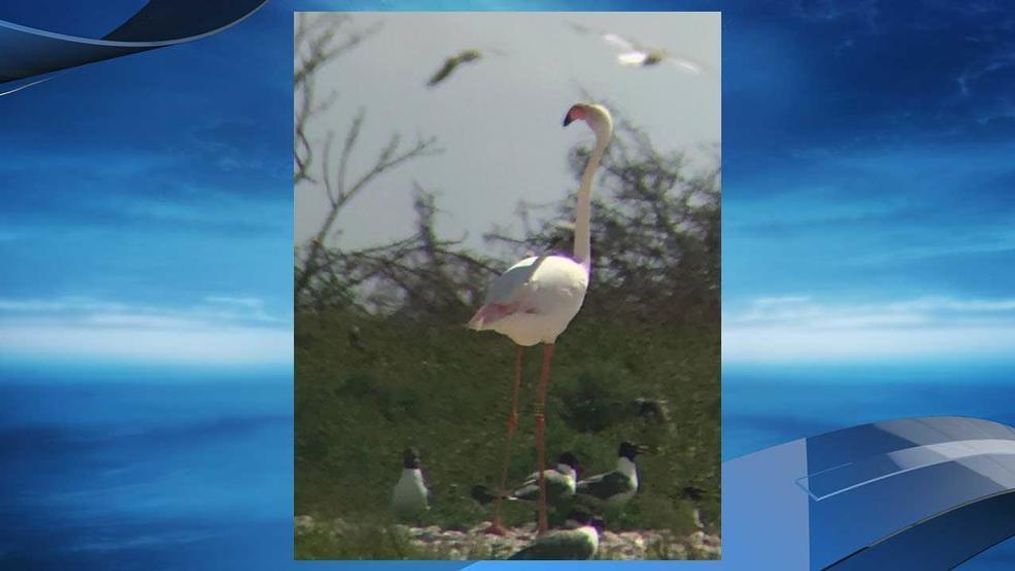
616, 488
534, 300
410, 497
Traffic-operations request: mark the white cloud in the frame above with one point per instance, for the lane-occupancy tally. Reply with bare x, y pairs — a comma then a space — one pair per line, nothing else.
247, 346
800, 329
219, 330
800, 344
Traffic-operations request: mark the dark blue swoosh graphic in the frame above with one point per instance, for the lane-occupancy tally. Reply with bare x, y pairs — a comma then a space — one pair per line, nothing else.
29, 52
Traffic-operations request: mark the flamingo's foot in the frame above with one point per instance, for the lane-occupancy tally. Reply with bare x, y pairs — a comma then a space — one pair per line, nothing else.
496, 528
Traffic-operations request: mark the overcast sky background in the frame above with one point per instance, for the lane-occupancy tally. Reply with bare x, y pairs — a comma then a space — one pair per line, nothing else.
498, 119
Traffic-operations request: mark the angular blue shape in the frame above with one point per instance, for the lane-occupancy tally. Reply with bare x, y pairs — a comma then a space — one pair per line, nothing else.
918, 493
29, 52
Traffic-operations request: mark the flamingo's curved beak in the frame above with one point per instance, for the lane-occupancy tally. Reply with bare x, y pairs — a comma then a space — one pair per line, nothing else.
573, 114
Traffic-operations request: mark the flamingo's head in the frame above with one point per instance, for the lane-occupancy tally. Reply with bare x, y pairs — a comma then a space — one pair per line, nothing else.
597, 117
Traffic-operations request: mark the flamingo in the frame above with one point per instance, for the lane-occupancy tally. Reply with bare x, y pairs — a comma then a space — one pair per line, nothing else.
534, 301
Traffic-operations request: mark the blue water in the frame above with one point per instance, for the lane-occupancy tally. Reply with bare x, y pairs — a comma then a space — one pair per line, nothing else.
124, 469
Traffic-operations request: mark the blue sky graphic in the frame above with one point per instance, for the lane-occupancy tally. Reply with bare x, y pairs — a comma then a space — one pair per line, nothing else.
152, 194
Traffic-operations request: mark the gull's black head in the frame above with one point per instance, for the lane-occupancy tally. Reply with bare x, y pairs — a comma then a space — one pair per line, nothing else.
580, 515
571, 460
630, 451
410, 458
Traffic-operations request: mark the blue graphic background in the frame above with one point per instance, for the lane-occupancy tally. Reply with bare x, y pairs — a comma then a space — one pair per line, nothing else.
867, 159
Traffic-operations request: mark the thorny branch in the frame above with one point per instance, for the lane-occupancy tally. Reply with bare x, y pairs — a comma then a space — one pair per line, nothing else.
317, 43
655, 228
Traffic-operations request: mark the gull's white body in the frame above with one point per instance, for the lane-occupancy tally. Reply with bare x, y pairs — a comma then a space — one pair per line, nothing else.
579, 543
638, 55
410, 496
562, 479
635, 54
624, 478
628, 469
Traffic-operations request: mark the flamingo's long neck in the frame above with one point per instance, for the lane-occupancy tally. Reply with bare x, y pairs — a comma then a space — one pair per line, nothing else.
583, 212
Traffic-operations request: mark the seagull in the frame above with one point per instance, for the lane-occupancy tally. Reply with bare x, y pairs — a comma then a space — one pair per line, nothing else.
694, 494
560, 484
635, 54
580, 542
616, 488
410, 497
451, 63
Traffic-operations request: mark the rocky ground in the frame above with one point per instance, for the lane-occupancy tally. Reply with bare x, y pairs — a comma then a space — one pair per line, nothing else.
433, 541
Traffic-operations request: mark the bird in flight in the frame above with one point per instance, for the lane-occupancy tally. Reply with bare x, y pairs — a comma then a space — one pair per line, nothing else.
452, 63
635, 54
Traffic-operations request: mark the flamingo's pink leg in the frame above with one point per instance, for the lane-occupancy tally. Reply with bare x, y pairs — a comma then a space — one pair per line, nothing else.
544, 380
497, 527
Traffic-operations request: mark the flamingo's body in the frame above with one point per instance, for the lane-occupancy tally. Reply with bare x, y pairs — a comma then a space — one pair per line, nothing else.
534, 300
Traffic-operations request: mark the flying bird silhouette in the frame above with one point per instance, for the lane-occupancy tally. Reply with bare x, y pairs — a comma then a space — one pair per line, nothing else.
453, 62
633, 53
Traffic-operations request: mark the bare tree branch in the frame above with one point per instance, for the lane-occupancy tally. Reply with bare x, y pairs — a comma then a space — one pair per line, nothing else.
319, 40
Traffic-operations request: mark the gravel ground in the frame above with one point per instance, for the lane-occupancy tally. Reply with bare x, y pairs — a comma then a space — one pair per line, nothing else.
474, 544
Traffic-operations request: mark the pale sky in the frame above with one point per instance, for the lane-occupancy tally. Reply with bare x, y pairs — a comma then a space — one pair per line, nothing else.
499, 118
